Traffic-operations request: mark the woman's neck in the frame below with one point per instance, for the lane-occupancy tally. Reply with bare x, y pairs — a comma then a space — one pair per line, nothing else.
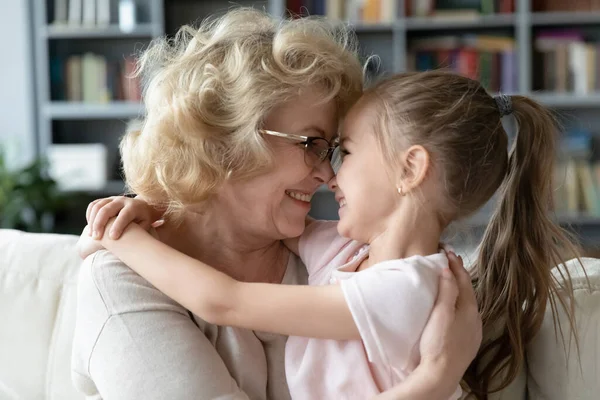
405, 236
227, 247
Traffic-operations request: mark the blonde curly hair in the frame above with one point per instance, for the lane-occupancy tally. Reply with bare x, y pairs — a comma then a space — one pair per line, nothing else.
208, 89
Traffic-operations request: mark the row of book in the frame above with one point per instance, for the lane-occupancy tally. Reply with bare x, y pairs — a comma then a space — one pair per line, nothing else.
489, 59
569, 63
367, 11
562, 5
386, 11
94, 79
458, 8
82, 12
577, 177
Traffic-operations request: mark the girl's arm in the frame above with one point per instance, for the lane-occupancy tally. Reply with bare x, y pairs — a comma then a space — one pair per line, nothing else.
313, 311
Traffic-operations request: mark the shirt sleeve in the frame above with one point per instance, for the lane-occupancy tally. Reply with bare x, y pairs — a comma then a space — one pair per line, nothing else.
133, 342
390, 303
318, 244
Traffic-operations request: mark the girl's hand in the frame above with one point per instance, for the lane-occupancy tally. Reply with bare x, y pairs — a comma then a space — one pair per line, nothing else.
452, 336
127, 210
87, 246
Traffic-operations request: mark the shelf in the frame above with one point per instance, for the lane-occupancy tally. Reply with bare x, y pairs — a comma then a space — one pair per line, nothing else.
567, 100
93, 32
578, 220
565, 18
440, 23
113, 187
361, 27
83, 111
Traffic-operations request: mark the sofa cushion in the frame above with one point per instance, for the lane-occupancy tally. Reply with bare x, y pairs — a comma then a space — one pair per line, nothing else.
38, 277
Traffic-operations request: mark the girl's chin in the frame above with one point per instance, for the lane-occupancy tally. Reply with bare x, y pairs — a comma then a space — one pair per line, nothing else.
342, 227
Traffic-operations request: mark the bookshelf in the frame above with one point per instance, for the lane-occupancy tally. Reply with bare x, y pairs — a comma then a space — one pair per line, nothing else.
72, 122
391, 40
63, 119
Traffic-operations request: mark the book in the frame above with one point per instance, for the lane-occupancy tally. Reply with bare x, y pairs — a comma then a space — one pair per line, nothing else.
60, 12
75, 12
89, 13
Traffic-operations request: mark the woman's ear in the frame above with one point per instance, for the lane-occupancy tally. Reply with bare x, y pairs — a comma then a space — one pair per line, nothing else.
415, 167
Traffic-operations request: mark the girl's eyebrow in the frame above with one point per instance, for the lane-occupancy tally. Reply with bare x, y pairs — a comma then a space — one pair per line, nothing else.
344, 139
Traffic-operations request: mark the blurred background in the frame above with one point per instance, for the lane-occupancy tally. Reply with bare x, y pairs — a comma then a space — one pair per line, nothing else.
66, 98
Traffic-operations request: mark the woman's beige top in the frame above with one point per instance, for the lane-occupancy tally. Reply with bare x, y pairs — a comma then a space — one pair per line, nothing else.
133, 342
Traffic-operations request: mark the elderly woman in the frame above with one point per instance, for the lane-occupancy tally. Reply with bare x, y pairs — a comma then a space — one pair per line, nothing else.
235, 191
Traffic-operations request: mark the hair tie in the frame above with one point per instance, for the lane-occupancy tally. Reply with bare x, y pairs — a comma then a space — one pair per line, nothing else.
504, 104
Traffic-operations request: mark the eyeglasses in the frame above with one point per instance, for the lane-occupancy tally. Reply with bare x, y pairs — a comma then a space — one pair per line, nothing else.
316, 148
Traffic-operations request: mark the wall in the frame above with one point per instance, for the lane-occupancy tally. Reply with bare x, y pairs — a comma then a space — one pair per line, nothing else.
17, 118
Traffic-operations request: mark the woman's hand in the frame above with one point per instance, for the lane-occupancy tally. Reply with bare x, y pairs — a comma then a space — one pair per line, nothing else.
449, 341
127, 210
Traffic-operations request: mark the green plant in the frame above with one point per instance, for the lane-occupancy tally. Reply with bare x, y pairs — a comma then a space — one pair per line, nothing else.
29, 198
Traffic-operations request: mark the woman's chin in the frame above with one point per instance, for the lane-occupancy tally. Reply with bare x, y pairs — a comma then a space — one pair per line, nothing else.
292, 227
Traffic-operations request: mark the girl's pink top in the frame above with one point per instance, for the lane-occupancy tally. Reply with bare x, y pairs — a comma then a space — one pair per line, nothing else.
390, 303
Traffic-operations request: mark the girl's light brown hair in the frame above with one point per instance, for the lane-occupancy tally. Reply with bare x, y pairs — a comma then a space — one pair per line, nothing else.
458, 123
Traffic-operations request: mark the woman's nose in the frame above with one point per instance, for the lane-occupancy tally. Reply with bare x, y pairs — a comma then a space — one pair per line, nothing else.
323, 171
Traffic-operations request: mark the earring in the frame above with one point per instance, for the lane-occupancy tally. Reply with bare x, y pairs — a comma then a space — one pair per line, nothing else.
400, 191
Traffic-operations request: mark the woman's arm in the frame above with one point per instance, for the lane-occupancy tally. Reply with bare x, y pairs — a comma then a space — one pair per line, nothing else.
132, 342
314, 311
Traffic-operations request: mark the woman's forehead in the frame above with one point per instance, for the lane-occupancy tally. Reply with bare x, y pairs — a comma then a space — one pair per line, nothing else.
306, 114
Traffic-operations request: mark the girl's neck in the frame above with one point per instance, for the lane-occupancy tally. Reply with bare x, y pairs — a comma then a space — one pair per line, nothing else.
244, 257
406, 236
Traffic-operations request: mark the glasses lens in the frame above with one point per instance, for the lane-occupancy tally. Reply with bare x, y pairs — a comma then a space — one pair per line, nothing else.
316, 151
336, 160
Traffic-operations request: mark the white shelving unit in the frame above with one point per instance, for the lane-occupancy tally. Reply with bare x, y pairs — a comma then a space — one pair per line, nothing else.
62, 110
109, 32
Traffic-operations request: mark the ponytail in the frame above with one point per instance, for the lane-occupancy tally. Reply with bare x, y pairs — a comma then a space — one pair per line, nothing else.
512, 275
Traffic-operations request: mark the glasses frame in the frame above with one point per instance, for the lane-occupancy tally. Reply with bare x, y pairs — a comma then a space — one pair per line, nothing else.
306, 141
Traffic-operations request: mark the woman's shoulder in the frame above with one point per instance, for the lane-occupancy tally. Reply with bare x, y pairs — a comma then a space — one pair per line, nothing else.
106, 282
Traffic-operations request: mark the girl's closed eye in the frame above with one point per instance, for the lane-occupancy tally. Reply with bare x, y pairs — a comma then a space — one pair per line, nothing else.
344, 152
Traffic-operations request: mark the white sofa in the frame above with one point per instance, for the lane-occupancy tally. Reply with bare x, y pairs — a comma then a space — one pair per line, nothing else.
38, 278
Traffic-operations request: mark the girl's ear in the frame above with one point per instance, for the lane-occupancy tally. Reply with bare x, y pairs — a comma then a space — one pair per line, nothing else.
415, 166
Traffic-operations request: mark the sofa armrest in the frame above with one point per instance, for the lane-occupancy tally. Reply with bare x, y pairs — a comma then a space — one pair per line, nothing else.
558, 371
38, 292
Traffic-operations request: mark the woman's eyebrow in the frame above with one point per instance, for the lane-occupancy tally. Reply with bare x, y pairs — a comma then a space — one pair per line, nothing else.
320, 133
313, 128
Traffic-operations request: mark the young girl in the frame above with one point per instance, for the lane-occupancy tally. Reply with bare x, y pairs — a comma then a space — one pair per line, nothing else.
419, 151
